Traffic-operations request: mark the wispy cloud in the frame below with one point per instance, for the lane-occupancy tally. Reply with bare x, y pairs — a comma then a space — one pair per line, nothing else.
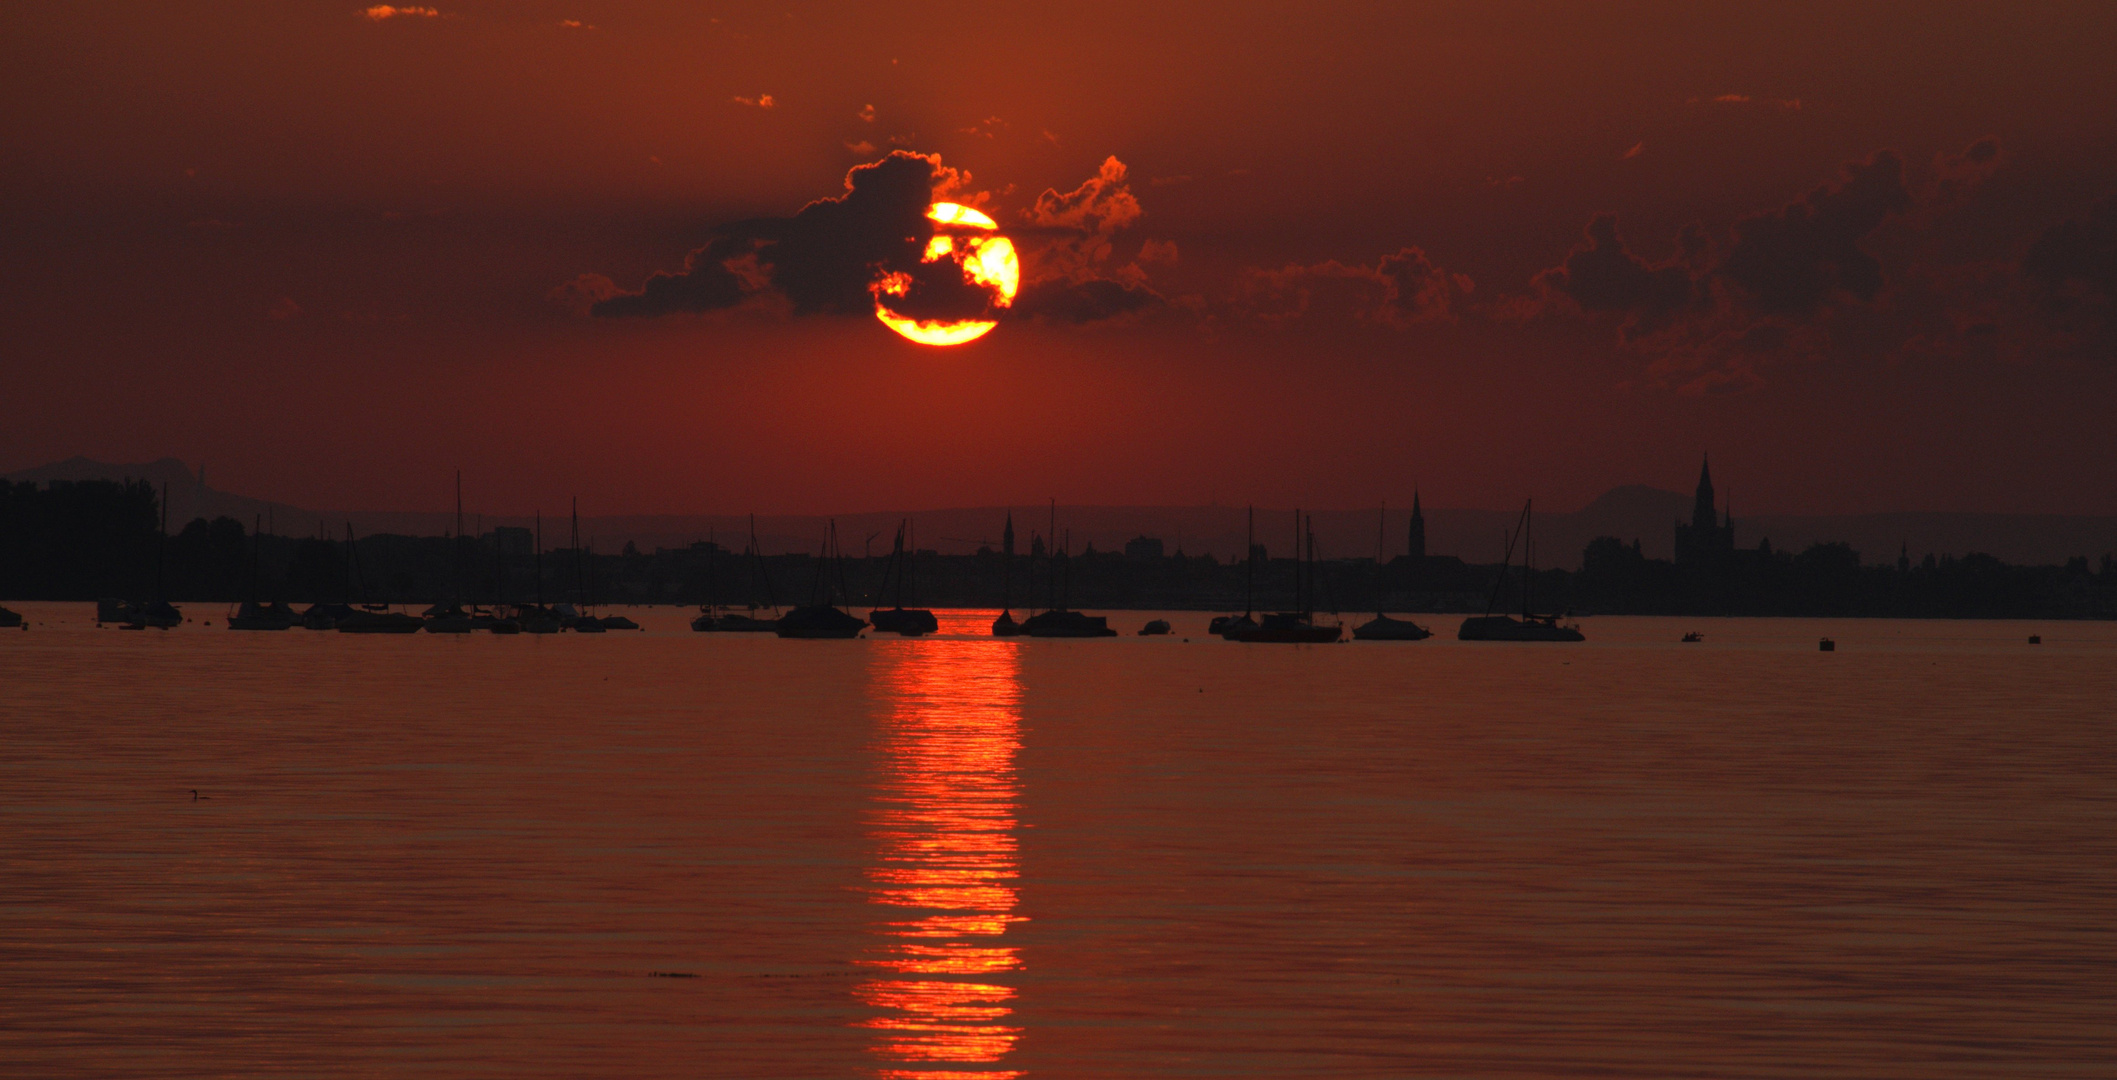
389, 11
761, 101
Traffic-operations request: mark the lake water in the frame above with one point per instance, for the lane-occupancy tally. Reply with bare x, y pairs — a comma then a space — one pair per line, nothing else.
1142, 857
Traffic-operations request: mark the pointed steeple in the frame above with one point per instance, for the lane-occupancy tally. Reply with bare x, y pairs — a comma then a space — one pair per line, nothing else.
1417, 546
1702, 508
1007, 538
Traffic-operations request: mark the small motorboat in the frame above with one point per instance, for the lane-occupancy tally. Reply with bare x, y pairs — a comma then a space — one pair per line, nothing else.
1222, 625
1693, 636
1155, 628
10, 619
618, 622
1826, 645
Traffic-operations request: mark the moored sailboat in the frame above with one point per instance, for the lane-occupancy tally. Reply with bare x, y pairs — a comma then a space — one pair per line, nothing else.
1382, 627
1530, 627
822, 617
910, 622
1298, 626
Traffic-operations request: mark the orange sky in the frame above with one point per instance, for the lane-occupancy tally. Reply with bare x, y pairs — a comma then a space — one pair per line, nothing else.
318, 251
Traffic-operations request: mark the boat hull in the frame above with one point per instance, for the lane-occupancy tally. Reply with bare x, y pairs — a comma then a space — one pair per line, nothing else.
1066, 624
909, 622
379, 622
745, 624
820, 623
1384, 628
1504, 628
1288, 635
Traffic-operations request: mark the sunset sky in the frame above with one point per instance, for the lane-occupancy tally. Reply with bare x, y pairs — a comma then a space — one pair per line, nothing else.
1286, 254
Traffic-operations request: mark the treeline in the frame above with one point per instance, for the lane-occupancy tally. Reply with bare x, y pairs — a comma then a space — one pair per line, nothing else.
1832, 580
84, 541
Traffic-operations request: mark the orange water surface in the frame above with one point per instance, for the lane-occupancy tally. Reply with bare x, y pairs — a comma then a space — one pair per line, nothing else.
696, 855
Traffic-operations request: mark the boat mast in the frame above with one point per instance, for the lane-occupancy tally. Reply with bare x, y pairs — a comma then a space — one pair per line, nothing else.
1506, 562
540, 558
579, 597
1528, 558
1381, 531
161, 540
1249, 562
1007, 566
458, 561
1297, 558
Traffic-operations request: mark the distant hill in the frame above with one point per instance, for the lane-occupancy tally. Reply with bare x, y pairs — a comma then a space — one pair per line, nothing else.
1630, 512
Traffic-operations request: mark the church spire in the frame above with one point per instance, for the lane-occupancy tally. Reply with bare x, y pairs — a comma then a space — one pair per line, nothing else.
1007, 538
1417, 546
1702, 509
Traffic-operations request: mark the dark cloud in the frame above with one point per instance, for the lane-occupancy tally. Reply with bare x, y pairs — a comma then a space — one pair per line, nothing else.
827, 258
1083, 301
823, 259
1714, 311
2075, 254
1400, 290
2073, 268
1604, 277
1791, 261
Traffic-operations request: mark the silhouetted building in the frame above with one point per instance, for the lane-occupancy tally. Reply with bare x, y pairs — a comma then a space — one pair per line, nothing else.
1417, 550
513, 540
1705, 542
1143, 547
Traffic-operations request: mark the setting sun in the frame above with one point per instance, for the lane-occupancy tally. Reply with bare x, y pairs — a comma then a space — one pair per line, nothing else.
970, 240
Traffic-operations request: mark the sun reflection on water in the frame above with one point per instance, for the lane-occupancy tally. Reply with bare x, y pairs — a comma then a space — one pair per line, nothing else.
944, 866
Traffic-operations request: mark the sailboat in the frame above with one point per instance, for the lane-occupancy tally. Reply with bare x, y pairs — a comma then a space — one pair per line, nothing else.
1059, 620
1531, 627
324, 615
1382, 627
1005, 626
538, 619
910, 622
372, 617
820, 618
10, 619
1223, 624
1299, 625
160, 613
570, 613
729, 622
450, 618
252, 615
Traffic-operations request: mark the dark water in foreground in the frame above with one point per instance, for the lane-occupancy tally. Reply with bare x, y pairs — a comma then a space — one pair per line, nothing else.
964, 857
